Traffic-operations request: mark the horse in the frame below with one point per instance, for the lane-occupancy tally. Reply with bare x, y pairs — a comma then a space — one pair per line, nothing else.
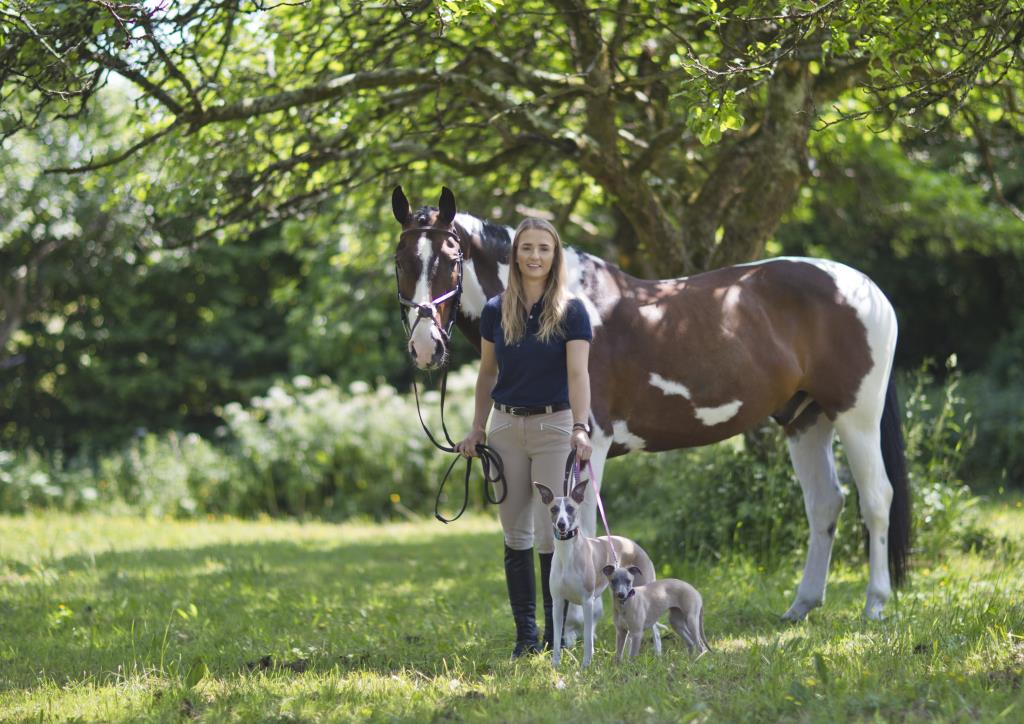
678, 363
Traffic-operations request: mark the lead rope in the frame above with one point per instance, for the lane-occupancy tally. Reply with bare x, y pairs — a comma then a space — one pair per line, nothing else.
490, 461
572, 464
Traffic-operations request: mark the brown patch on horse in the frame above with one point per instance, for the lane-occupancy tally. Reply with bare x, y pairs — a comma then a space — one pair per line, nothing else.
756, 334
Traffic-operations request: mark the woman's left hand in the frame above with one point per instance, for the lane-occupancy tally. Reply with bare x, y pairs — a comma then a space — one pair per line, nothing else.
581, 444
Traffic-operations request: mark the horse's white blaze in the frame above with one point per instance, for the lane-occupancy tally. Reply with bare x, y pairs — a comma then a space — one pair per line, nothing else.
425, 335
669, 387
712, 416
653, 313
622, 435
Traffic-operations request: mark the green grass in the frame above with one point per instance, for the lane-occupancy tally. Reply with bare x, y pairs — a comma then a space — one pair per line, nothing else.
118, 618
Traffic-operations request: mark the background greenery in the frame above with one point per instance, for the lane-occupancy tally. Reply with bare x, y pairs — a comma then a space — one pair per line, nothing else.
205, 323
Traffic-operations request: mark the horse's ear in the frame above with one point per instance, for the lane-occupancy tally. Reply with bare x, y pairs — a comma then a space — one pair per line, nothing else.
400, 205
578, 491
447, 206
608, 570
546, 496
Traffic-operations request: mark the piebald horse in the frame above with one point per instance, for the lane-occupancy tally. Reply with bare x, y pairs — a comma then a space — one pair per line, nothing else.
683, 362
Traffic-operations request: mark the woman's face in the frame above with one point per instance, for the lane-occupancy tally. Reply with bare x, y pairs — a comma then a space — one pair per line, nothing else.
535, 254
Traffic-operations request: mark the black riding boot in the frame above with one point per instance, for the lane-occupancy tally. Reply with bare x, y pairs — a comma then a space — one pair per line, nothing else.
522, 595
545, 588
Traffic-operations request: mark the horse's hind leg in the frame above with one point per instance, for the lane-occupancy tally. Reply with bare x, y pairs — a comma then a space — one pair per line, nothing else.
861, 438
811, 453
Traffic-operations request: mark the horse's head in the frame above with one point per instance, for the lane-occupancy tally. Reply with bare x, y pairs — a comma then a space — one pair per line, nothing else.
428, 270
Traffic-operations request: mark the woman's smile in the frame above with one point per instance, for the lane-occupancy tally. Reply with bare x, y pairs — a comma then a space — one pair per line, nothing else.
535, 254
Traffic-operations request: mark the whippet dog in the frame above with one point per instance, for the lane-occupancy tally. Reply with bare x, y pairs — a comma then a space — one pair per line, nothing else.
638, 607
577, 563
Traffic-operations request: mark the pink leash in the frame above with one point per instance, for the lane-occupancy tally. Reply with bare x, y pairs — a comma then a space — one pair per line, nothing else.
600, 506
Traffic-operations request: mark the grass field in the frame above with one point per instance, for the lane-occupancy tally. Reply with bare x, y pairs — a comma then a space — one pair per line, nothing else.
118, 618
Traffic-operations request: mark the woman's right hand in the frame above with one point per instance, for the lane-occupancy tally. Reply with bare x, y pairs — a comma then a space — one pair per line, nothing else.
467, 447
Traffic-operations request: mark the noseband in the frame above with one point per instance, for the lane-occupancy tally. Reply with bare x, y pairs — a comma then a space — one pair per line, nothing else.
426, 310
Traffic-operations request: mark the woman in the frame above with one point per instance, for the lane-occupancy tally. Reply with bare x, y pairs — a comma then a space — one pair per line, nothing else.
533, 372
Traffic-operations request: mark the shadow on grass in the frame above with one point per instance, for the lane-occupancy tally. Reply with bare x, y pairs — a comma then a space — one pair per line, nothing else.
384, 606
373, 605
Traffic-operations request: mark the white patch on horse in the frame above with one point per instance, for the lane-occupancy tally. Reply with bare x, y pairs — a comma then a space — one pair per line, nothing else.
653, 313
472, 224
669, 387
709, 416
876, 314
473, 297
622, 435
574, 274
712, 416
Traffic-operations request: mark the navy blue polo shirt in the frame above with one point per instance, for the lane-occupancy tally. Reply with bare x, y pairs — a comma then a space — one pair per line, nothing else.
532, 373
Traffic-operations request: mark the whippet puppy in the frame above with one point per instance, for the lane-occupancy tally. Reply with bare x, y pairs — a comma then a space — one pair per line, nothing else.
638, 607
577, 563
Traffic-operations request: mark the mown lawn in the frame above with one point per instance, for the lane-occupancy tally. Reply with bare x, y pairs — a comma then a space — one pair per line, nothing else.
117, 618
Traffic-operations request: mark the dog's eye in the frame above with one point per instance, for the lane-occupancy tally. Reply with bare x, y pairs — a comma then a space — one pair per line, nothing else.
569, 510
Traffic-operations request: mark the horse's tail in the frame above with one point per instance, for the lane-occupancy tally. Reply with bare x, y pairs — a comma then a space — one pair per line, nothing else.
896, 468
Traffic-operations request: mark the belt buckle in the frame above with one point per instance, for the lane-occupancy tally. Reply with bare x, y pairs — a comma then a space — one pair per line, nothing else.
517, 411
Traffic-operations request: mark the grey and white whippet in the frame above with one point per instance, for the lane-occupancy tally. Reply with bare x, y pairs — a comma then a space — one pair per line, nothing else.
577, 563
638, 607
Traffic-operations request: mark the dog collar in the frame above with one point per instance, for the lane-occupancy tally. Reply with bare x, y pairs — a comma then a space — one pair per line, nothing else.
566, 536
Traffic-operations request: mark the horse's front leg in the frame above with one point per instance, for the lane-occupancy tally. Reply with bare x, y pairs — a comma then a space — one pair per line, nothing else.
811, 453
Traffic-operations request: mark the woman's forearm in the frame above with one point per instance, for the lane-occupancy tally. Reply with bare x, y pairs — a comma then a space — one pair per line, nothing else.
579, 396
484, 385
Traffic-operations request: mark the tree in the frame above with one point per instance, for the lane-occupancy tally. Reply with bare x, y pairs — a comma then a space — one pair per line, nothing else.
678, 130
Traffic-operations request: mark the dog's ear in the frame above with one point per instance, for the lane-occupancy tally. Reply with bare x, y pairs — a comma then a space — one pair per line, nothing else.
608, 570
546, 496
578, 491
635, 571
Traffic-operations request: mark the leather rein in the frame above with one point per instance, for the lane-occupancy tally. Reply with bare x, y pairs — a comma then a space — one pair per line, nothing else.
490, 460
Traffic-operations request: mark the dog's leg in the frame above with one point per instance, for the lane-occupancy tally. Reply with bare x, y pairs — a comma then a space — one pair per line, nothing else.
684, 627
588, 631
620, 642
558, 610
636, 637
656, 639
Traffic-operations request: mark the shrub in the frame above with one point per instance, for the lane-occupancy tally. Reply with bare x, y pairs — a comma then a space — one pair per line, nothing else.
314, 449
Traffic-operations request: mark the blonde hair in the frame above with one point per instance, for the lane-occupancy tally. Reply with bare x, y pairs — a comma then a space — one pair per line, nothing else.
556, 290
